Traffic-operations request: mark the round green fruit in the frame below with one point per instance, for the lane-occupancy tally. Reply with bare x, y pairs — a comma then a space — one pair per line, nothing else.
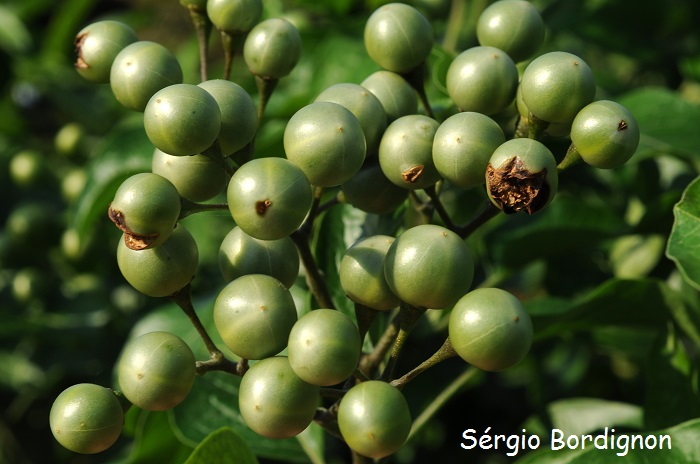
196, 177
362, 273
162, 270
240, 254
234, 16
394, 93
86, 418
374, 419
269, 198
254, 315
483, 80
556, 85
140, 70
97, 45
398, 37
326, 141
429, 266
146, 208
370, 191
182, 120
605, 134
490, 329
324, 347
406, 152
463, 145
156, 371
522, 176
514, 26
274, 402
272, 48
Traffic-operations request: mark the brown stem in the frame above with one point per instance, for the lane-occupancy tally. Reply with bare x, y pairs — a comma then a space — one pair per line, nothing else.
446, 351
266, 85
440, 208
314, 280
365, 316
370, 362
409, 317
488, 212
416, 77
231, 41
202, 27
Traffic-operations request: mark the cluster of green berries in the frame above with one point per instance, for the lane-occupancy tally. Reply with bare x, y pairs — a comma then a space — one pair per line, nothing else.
367, 142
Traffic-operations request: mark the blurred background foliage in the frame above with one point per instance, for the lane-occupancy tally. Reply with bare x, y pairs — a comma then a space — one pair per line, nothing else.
591, 269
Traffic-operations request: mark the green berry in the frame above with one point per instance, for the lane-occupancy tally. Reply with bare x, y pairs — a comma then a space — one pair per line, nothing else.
274, 402
196, 177
490, 329
605, 134
374, 419
429, 266
398, 37
146, 208
240, 254
369, 190
254, 315
140, 70
272, 48
97, 45
156, 371
483, 80
269, 198
406, 152
521, 176
556, 85
86, 418
463, 145
326, 141
162, 270
514, 26
362, 273
324, 347
234, 16
393, 91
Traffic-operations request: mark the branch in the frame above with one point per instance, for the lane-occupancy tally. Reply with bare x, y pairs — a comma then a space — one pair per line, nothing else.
446, 351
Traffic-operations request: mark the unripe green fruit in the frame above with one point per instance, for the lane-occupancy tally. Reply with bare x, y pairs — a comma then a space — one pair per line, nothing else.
374, 419
463, 145
234, 16
86, 418
326, 141
483, 80
406, 152
140, 70
398, 37
146, 208
556, 85
254, 315
73, 184
182, 120
239, 117
490, 329
97, 45
394, 93
272, 48
269, 198
522, 176
29, 168
362, 273
274, 402
156, 371
162, 270
364, 106
514, 26
605, 134
196, 177
324, 347
429, 266
369, 190
240, 254
554, 129
70, 139
30, 284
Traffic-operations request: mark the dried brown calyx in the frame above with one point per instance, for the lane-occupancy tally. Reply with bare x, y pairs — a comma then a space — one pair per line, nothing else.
79, 41
514, 188
262, 206
411, 175
132, 240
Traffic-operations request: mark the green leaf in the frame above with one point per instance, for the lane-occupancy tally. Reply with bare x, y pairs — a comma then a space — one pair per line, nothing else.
668, 124
576, 416
125, 151
154, 440
14, 35
683, 242
222, 446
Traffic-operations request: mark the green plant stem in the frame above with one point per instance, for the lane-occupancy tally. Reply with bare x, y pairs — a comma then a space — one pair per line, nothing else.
202, 27
439, 401
359, 459
409, 317
416, 77
488, 212
305, 229
536, 127
572, 157
314, 280
266, 86
231, 43
190, 207
370, 362
446, 351
440, 208
424, 209
365, 317
521, 128
217, 360
214, 153
328, 419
